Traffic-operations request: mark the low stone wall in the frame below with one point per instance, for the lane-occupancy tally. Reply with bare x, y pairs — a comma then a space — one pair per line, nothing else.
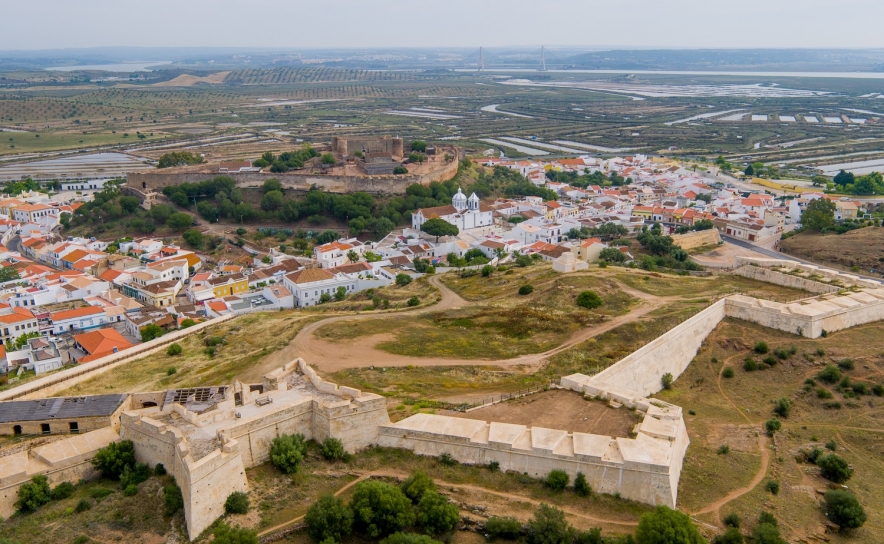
825, 275
672, 352
690, 240
392, 184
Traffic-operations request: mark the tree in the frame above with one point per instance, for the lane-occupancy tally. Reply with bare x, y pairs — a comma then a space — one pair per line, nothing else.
843, 179
328, 159
731, 536
287, 452
439, 227
589, 300
329, 518
419, 146
179, 221
581, 486
225, 534
194, 238
150, 332
526, 290
161, 212
749, 171
33, 494
271, 184
771, 426
340, 293
834, 468
436, 514
179, 158
129, 203
487, 270
557, 480
819, 181
324, 297
352, 256
400, 170
112, 460
612, 255
767, 533
236, 503
667, 526
819, 214
402, 280
8, 273
416, 485
380, 509
843, 509
174, 349
272, 201
549, 526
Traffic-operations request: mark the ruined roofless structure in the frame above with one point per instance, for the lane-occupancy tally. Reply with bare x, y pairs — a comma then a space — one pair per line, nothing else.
386, 145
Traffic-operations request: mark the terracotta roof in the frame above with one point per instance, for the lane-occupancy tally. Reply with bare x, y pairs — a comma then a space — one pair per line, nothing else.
17, 316
353, 268
309, 275
78, 312
217, 305
110, 274
102, 342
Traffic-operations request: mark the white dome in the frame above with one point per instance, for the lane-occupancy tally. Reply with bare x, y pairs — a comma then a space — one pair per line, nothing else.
473, 197
459, 200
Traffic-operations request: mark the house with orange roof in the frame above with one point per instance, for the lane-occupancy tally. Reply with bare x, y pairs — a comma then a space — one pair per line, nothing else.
309, 286
31, 213
16, 321
231, 284
77, 319
100, 343
336, 253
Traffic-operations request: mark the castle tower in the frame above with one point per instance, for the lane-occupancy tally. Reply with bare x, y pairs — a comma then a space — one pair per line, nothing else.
473, 202
459, 201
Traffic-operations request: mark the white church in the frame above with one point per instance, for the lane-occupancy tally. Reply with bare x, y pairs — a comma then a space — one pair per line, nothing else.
464, 213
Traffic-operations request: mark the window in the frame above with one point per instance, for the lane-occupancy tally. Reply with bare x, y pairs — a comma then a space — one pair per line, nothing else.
16, 430
44, 428
74, 427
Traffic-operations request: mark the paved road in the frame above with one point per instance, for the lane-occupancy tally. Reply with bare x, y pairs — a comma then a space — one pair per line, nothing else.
14, 244
777, 255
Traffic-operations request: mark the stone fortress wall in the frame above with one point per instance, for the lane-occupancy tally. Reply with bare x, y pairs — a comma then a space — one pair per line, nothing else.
208, 452
385, 185
690, 240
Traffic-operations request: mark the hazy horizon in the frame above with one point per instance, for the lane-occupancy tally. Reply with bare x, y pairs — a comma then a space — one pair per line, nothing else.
384, 24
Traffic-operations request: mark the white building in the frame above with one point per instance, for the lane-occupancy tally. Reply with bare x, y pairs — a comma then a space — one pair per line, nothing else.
308, 285
464, 213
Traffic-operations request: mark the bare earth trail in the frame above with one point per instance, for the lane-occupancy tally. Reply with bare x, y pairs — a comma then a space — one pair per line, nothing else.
387, 473
361, 352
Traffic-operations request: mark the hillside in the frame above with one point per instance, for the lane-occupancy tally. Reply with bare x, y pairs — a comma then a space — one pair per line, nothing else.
863, 248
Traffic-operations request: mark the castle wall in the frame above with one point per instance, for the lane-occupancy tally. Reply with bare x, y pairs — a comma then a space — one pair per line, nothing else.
786, 280
672, 352
690, 240
392, 184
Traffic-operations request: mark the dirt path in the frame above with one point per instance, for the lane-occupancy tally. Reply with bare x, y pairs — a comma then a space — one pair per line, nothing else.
360, 352
386, 473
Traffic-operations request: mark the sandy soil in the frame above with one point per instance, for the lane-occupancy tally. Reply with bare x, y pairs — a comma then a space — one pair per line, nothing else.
862, 247
187, 80
557, 409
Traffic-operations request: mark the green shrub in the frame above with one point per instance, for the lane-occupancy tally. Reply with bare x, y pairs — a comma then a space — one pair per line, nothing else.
134, 475
329, 518
33, 495
845, 364
732, 520
62, 491
174, 349
408, 538
236, 503
589, 300
830, 374
403, 279
773, 487
724, 449
772, 426
834, 468
436, 514
526, 290
487, 270
820, 352
728, 372
380, 509
507, 528
414, 301
770, 360
731, 535
783, 407
822, 393
844, 510
130, 490
581, 486
761, 347
159, 470
878, 390
83, 505
225, 534
446, 459
548, 526
557, 480
332, 449
287, 452
172, 499
831, 445
416, 485
749, 365
663, 524
767, 533
171, 371
114, 458
493, 466
666, 380
99, 493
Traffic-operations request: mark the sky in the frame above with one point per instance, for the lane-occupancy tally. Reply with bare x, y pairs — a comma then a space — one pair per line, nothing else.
739, 24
